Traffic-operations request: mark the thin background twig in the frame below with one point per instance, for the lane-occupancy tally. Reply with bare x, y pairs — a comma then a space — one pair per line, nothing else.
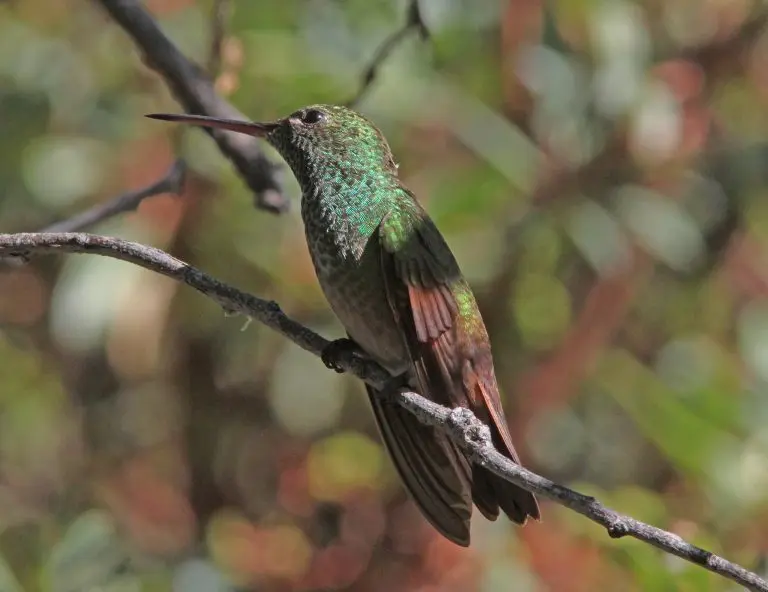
413, 22
220, 13
171, 182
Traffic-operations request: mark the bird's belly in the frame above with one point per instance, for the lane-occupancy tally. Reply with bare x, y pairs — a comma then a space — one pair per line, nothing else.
355, 290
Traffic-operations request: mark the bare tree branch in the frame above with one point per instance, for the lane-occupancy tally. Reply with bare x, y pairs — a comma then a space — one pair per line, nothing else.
461, 425
413, 22
196, 93
171, 182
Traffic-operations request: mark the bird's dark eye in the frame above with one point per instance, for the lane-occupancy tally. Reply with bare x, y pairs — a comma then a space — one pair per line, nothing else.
312, 116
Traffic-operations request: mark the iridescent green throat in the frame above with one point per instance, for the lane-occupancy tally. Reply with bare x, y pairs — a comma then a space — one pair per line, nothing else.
346, 171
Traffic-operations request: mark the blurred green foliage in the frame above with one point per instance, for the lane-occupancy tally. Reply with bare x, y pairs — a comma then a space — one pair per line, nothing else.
599, 170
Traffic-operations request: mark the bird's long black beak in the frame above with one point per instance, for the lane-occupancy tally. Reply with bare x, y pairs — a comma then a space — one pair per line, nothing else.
250, 128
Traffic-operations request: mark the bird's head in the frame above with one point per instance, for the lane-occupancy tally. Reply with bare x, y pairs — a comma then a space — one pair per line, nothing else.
319, 142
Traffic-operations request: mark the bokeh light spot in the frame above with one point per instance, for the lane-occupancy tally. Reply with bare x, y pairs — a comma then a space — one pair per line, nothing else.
342, 464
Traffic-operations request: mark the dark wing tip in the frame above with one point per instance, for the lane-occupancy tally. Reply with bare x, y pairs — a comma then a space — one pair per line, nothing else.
462, 541
456, 533
491, 493
520, 506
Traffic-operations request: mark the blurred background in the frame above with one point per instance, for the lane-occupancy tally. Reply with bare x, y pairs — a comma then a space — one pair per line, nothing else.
599, 169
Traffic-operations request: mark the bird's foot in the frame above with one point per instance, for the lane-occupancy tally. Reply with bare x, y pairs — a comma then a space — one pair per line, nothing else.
336, 351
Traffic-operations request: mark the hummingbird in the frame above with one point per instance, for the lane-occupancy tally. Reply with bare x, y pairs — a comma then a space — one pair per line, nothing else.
393, 282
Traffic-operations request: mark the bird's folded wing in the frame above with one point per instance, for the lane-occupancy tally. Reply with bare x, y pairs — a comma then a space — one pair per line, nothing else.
448, 343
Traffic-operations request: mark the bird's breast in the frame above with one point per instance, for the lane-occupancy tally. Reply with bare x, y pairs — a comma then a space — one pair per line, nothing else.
350, 275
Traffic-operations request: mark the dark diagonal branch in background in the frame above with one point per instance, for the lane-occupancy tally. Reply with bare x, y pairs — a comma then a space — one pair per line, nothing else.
172, 182
460, 424
413, 22
196, 93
